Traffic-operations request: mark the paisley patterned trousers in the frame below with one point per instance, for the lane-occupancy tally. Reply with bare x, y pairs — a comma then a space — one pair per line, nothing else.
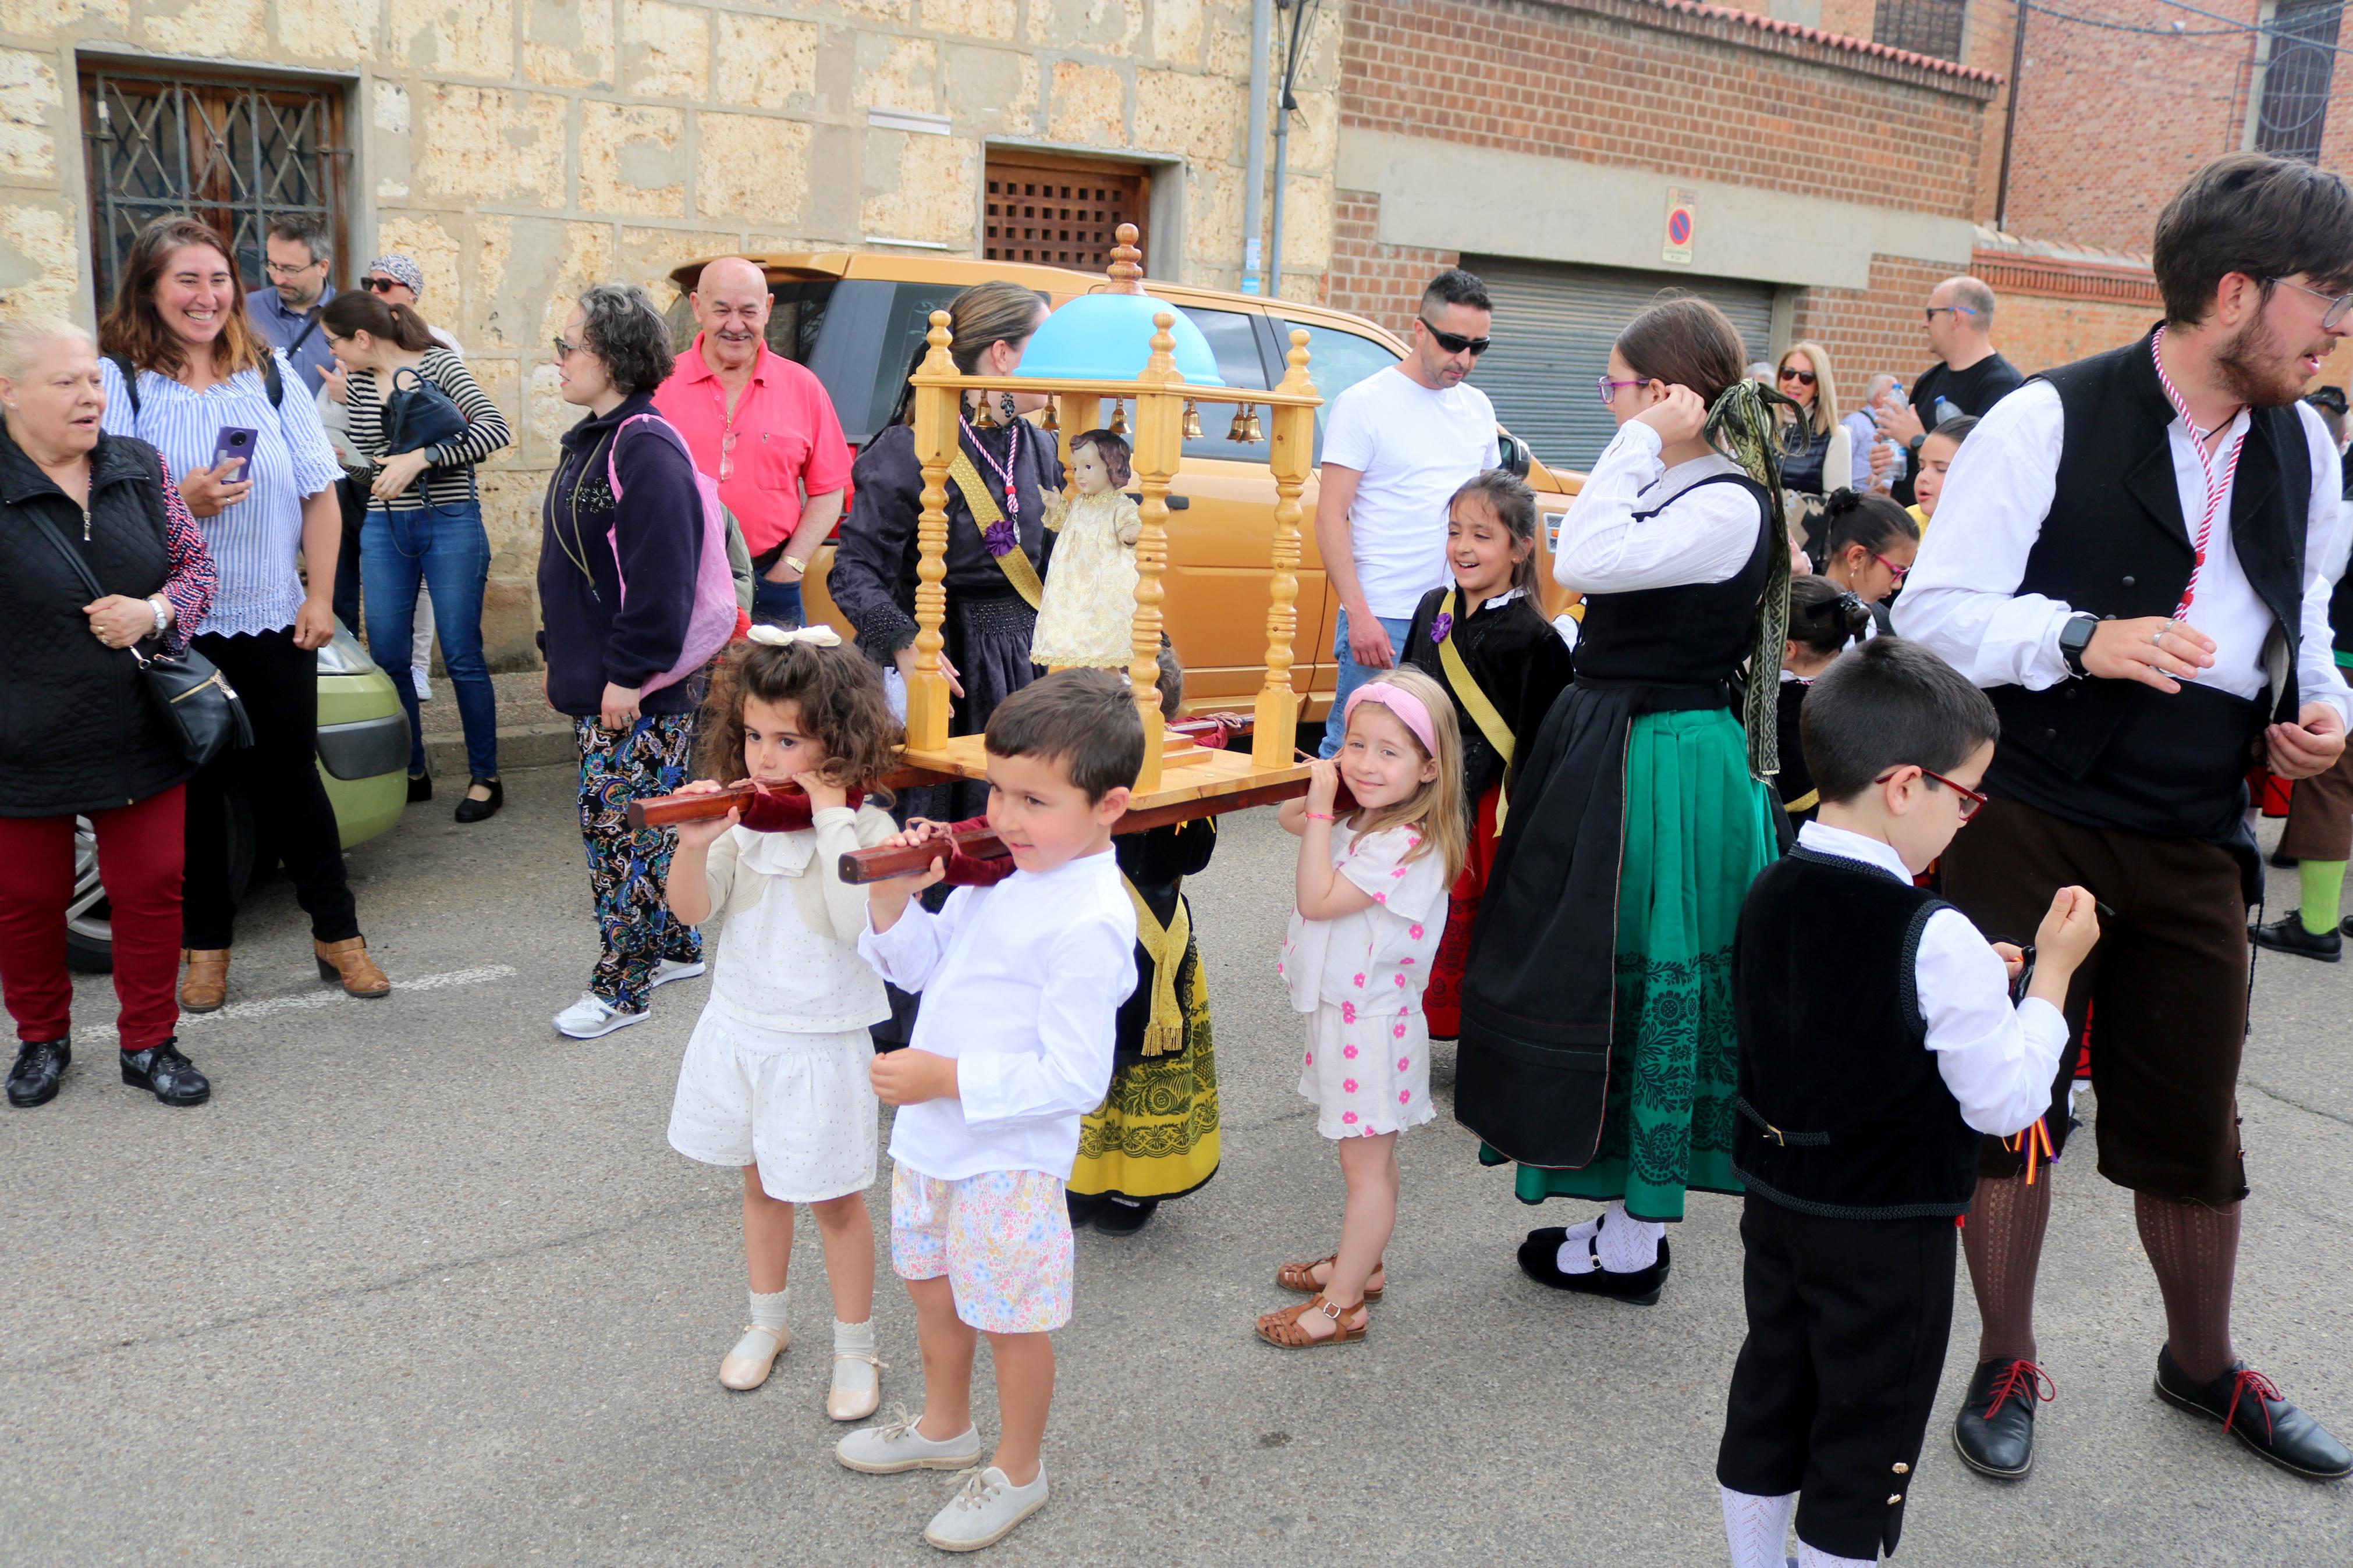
628, 871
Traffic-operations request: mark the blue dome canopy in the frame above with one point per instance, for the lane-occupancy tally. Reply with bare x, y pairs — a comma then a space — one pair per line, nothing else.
1108, 337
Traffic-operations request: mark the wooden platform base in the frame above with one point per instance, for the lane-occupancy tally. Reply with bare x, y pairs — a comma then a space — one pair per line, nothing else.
1193, 774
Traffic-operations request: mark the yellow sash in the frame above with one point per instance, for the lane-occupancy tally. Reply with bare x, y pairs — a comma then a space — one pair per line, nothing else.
986, 515
1806, 802
1483, 712
1163, 1031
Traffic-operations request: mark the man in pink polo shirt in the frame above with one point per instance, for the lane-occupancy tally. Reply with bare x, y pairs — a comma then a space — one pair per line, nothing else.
763, 427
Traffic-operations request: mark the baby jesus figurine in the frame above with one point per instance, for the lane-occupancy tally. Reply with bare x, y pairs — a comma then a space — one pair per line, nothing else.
1087, 616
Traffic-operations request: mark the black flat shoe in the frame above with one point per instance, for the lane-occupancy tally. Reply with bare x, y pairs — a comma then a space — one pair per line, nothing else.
1540, 1261
164, 1072
1994, 1432
1124, 1217
2285, 862
472, 810
2287, 934
420, 787
1083, 1208
34, 1079
2252, 1410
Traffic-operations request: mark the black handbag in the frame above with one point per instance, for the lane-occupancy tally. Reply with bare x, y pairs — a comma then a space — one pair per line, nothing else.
199, 708
418, 416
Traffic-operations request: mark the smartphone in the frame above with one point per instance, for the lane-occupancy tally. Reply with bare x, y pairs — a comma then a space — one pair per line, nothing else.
235, 443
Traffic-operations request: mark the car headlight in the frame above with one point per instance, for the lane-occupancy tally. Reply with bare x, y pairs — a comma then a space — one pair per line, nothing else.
344, 656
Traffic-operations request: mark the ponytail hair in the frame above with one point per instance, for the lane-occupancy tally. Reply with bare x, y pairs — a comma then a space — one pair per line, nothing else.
1823, 616
349, 315
1850, 518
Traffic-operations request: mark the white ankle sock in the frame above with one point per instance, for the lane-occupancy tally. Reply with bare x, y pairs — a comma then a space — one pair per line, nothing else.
1625, 1245
1814, 1557
768, 1311
1756, 1527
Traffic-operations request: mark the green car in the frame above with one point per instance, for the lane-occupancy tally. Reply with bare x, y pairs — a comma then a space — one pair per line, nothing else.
363, 757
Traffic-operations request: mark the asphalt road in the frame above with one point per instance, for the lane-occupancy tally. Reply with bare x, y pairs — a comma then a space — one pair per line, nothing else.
424, 1284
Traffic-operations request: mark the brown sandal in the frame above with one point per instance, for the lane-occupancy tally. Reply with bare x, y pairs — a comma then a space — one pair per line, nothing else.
1280, 1328
1300, 1277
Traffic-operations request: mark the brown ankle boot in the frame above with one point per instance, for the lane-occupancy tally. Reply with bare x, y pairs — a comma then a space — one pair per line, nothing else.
348, 962
204, 985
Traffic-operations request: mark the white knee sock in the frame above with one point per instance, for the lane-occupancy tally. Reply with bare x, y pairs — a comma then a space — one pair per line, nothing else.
1814, 1557
1626, 1244
1756, 1527
768, 1311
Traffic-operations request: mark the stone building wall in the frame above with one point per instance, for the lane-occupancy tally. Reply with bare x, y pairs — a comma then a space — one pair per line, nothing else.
522, 149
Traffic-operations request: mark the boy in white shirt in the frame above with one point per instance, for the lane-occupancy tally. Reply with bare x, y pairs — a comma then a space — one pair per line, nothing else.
1021, 984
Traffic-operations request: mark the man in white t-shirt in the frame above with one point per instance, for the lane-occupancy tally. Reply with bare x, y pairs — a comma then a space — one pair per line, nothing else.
1398, 445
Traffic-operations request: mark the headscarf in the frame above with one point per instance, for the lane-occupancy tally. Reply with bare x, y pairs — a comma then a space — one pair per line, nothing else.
1744, 427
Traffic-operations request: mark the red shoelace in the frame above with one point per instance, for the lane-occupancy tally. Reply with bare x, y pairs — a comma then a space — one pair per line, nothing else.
2022, 1380
2243, 1379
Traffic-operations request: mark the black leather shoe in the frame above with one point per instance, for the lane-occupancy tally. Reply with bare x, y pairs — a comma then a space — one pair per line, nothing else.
2287, 934
2283, 860
420, 787
163, 1071
1083, 1208
1540, 1261
34, 1079
1994, 1432
472, 810
2252, 1410
1117, 1217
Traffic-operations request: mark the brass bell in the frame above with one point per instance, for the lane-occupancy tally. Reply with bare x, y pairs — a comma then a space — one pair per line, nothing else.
1257, 430
1052, 423
982, 419
1118, 417
1192, 421
1238, 431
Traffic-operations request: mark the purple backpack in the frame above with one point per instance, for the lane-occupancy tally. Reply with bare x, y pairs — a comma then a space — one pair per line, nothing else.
714, 619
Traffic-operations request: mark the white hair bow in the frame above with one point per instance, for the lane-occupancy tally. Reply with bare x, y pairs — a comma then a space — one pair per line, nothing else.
777, 636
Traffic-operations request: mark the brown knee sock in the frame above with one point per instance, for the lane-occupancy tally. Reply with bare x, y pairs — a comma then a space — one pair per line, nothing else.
2195, 1251
2003, 1241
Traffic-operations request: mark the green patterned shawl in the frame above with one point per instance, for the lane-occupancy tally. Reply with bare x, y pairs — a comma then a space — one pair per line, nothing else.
1744, 427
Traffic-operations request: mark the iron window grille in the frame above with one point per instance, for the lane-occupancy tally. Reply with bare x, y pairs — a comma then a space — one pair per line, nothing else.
2294, 109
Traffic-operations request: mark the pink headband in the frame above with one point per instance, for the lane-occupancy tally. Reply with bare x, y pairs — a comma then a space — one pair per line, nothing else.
1400, 701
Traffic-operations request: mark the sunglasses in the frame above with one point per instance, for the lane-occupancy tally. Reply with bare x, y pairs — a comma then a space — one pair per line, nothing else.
1455, 342
1971, 799
1929, 314
380, 285
1802, 377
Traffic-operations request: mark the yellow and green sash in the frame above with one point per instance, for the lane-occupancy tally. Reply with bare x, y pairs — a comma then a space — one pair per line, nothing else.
1163, 1030
1482, 711
986, 515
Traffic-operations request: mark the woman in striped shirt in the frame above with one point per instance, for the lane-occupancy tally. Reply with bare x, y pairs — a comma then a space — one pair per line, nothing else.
424, 521
184, 364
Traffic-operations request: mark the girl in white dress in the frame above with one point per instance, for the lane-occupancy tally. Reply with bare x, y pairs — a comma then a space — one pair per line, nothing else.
775, 1078
1372, 906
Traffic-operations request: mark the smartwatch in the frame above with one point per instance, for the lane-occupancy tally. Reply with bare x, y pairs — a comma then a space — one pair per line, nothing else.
2075, 638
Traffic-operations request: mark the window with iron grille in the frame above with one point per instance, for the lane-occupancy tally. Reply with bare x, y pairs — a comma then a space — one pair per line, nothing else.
1931, 28
238, 154
1060, 212
2294, 108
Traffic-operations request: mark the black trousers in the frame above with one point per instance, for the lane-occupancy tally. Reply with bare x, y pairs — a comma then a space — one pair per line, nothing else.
352, 501
1847, 1324
278, 774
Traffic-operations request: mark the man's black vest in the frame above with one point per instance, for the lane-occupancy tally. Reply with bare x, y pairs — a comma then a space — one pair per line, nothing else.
1842, 1113
2115, 753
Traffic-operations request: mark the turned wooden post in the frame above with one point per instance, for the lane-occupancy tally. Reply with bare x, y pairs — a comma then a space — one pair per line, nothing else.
1159, 442
1275, 737
936, 445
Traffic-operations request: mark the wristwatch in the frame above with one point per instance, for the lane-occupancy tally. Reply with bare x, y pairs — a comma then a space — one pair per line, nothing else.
163, 608
2075, 638
799, 566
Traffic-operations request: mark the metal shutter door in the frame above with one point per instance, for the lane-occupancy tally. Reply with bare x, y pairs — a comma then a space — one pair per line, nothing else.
1554, 326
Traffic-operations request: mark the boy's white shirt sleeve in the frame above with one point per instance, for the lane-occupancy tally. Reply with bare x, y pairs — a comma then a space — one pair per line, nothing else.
1093, 968
1997, 1061
910, 951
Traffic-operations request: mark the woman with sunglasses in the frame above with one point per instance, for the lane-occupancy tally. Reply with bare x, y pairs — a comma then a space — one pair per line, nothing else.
1826, 458
1868, 543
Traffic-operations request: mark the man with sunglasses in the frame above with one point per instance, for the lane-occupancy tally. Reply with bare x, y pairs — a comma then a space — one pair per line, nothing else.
2133, 556
1970, 378
1398, 443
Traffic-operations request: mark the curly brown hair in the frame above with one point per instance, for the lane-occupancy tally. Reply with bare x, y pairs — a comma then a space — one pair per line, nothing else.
838, 693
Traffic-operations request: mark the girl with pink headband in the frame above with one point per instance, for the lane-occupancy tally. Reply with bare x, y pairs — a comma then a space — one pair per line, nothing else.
1372, 886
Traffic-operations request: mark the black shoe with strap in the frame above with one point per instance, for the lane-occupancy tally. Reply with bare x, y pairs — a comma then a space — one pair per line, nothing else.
1540, 1261
2251, 1410
39, 1064
2287, 934
1124, 1216
472, 810
1994, 1432
164, 1072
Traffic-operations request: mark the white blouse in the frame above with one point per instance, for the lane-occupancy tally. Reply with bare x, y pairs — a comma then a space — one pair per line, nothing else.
1697, 536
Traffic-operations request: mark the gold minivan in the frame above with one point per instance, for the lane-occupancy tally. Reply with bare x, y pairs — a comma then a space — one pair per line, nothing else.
855, 319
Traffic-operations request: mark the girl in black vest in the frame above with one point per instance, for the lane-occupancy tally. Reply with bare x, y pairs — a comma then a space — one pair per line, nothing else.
1488, 644
1597, 1014
1823, 619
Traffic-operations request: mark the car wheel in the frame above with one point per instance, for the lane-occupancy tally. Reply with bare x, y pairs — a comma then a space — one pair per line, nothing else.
89, 920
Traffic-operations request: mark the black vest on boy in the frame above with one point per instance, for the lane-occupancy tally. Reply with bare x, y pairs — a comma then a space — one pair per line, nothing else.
1843, 1114
2117, 753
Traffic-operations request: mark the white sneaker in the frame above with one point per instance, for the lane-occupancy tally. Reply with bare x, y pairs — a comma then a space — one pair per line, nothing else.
671, 968
985, 1511
592, 1017
423, 686
896, 1446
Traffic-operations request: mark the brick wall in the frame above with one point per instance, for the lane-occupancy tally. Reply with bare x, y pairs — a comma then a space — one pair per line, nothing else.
1382, 281
1869, 330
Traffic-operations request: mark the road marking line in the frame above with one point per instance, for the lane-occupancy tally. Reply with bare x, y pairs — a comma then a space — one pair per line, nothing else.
328, 998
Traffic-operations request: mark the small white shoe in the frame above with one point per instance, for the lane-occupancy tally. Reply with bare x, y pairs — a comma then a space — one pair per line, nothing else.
985, 1511
671, 968
746, 1367
896, 1446
857, 1388
592, 1017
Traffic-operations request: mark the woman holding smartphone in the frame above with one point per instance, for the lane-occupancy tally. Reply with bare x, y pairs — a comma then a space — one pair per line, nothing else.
185, 372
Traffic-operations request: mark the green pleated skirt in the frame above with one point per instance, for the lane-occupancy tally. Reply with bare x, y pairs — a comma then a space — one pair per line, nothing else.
1697, 831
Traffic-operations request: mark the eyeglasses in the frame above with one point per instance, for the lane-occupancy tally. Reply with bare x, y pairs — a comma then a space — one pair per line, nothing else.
726, 454
1971, 799
2338, 304
565, 348
1802, 377
1455, 342
1610, 389
1898, 572
1929, 314
279, 269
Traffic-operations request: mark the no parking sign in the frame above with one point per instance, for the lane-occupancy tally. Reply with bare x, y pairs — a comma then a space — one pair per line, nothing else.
1677, 251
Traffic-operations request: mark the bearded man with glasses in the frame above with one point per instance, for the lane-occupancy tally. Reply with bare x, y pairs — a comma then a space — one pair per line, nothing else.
2133, 555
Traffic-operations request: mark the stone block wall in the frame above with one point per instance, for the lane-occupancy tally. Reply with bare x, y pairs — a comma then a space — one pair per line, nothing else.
521, 150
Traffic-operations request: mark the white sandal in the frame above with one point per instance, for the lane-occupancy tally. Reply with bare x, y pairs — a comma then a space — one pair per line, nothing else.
854, 1404
746, 1367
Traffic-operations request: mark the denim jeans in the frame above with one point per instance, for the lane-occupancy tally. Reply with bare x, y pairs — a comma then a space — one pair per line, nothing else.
776, 604
447, 547
1352, 675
